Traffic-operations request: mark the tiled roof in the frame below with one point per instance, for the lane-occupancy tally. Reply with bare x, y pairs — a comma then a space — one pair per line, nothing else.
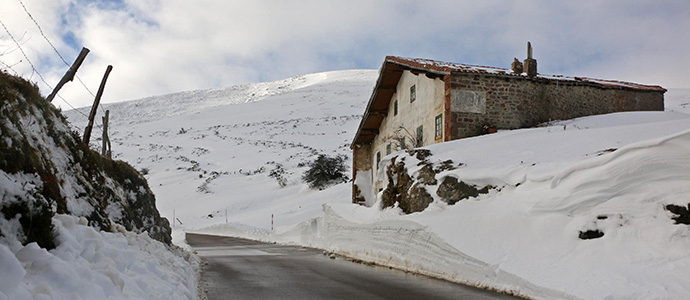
448, 67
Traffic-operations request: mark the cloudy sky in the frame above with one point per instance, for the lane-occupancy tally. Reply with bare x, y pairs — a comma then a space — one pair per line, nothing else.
165, 46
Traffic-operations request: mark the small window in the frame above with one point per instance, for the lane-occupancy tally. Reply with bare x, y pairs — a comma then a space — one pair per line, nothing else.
388, 149
420, 136
378, 159
413, 93
395, 108
439, 125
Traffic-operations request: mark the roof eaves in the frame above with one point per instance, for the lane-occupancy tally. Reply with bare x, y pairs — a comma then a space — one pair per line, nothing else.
365, 116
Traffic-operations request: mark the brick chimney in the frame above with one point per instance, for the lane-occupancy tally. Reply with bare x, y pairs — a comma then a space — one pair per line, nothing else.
530, 64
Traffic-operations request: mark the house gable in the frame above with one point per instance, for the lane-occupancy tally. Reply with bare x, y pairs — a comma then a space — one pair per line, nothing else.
380, 101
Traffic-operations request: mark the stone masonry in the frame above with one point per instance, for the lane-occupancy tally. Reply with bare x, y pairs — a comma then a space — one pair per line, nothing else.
515, 102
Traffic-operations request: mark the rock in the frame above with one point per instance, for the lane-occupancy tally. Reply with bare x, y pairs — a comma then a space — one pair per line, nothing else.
427, 175
590, 234
420, 154
399, 184
683, 213
451, 190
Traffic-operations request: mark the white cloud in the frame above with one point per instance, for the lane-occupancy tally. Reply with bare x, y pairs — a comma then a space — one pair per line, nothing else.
166, 46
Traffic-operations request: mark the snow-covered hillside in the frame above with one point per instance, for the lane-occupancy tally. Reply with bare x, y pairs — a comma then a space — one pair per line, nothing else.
73, 224
210, 152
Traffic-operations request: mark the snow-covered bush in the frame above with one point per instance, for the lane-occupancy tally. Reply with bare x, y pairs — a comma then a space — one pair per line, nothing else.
325, 171
279, 174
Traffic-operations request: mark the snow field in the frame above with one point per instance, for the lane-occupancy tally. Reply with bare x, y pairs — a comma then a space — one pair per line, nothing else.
612, 172
523, 240
232, 140
554, 182
90, 264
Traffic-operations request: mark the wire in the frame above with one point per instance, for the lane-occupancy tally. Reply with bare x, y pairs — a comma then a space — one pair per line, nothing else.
56, 51
32, 65
40, 30
24, 53
8, 67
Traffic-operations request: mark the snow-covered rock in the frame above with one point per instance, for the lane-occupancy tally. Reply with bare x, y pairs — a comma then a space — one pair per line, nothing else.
75, 225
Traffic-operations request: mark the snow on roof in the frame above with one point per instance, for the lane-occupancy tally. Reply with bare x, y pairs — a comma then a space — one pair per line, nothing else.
445, 68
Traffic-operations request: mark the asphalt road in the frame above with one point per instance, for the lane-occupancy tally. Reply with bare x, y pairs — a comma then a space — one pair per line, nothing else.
244, 269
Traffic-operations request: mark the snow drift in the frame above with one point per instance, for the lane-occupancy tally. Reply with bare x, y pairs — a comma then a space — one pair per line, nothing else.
209, 162
58, 202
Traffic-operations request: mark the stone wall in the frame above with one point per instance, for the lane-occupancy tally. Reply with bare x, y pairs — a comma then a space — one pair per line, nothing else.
361, 161
480, 102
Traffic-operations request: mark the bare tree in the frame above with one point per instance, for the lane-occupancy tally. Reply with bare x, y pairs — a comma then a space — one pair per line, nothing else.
404, 139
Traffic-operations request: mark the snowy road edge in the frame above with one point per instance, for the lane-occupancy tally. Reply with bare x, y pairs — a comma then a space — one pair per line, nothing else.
402, 245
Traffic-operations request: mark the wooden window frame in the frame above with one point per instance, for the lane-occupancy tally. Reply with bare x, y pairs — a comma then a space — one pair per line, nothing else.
413, 93
378, 159
420, 136
438, 125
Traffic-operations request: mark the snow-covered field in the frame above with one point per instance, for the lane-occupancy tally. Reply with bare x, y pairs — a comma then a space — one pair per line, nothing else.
90, 264
209, 153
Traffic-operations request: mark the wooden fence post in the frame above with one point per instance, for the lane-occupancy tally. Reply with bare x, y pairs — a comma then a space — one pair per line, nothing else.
94, 108
69, 76
106, 149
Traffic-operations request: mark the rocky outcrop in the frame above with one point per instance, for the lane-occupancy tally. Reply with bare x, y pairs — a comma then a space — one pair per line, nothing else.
45, 169
682, 213
410, 193
451, 190
410, 196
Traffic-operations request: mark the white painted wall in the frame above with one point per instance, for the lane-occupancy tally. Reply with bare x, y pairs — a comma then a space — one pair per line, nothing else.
427, 105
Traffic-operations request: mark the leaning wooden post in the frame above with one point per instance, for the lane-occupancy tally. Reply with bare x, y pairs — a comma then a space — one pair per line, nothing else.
94, 108
69, 76
105, 150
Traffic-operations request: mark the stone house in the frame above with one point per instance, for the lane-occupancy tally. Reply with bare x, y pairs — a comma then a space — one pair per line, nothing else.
417, 102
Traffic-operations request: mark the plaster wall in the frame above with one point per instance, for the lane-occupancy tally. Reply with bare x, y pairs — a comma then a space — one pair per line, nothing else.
422, 111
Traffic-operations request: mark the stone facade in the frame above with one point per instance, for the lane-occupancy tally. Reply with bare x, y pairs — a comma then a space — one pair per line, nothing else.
512, 103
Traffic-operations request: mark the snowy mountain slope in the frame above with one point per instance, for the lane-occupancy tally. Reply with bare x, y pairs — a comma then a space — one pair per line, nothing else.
206, 155
189, 102
508, 234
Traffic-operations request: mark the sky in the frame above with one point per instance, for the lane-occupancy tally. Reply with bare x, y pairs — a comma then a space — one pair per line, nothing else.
164, 46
